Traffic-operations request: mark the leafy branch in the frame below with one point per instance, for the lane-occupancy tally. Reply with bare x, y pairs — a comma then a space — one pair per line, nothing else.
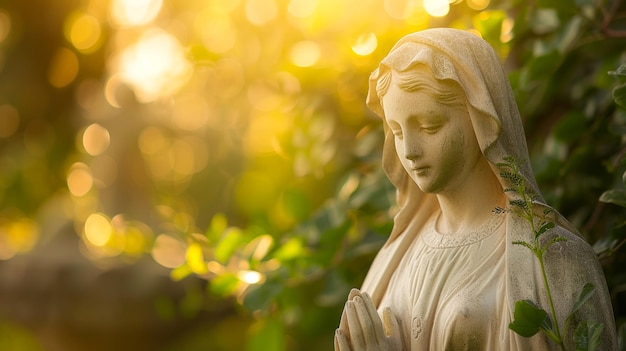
529, 319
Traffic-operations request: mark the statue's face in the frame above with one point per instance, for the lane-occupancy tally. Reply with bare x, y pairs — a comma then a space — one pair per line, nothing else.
435, 143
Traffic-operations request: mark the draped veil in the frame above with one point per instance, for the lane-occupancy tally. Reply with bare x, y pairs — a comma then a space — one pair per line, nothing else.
468, 60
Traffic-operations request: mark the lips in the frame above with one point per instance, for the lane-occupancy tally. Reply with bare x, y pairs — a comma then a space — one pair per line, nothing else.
420, 170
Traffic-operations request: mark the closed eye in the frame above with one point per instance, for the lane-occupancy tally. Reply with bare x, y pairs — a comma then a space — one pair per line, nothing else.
432, 129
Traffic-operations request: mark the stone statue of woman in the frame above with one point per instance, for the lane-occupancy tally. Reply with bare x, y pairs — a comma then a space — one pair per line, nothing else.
449, 275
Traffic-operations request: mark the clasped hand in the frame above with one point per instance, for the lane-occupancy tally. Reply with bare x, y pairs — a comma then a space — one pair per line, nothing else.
362, 329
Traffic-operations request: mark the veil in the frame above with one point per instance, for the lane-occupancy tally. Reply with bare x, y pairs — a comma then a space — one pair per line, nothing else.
452, 54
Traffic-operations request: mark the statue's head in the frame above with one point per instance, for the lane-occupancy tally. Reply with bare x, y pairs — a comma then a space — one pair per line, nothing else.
464, 76
433, 135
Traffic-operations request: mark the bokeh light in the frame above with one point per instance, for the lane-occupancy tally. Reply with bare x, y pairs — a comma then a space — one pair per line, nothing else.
96, 139
98, 229
305, 53
302, 8
260, 12
17, 235
155, 66
63, 68
79, 179
168, 251
84, 32
135, 12
365, 44
437, 8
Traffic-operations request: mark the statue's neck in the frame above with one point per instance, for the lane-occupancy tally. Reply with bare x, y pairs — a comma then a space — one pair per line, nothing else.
467, 206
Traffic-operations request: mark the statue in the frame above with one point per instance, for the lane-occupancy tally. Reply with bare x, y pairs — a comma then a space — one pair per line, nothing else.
449, 276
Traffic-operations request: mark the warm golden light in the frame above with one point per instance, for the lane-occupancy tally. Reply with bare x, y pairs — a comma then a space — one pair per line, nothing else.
260, 12
400, 9
135, 12
478, 5
302, 8
218, 33
437, 8
63, 69
79, 179
191, 113
96, 139
168, 251
98, 229
506, 33
305, 53
5, 25
84, 32
17, 236
250, 277
365, 44
9, 120
155, 66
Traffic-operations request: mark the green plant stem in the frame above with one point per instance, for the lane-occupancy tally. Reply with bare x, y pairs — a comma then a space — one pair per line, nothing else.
539, 253
552, 311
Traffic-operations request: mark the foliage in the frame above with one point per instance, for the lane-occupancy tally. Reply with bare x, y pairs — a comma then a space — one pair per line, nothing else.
528, 318
249, 159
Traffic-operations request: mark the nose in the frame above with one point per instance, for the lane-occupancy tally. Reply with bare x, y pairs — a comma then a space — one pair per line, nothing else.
412, 148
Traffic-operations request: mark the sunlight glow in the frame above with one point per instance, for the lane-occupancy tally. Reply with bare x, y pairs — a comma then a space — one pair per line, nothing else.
96, 139
260, 12
98, 229
168, 251
302, 8
79, 179
84, 32
400, 9
478, 5
437, 8
17, 236
155, 66
365, 44
135, 12
305, 53
250, 277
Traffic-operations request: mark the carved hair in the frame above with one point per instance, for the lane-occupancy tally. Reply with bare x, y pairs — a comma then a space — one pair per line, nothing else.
445, 91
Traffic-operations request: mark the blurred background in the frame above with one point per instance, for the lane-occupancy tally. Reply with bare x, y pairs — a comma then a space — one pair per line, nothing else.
204, 174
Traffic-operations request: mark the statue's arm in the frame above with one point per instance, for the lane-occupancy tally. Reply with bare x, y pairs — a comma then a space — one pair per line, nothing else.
361, 327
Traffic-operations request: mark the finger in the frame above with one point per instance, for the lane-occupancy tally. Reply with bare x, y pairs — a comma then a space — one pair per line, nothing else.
341, 342
356, 332
353, 293
343, 323
377, 324
390, 323
365, 320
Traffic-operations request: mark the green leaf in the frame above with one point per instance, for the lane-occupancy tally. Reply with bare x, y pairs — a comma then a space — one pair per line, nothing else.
523, 243
585, 294
545, 228
228, 245
260, 297
614, 196
528, 318
588, 336
224, 284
